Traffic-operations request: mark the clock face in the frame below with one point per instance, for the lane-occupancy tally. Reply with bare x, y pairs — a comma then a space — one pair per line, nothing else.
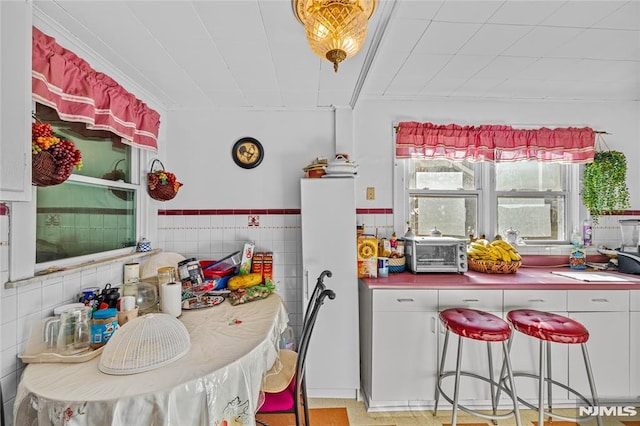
247, 153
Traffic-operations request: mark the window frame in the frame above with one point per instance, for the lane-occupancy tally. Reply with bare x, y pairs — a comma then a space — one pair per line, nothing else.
485, 178
22, 253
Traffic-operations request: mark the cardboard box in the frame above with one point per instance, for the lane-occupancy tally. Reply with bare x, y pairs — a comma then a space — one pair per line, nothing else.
267, 265
256, 263
247, 256
367, 256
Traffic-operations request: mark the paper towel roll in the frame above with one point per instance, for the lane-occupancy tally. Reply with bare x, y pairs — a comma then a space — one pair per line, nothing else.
171, 299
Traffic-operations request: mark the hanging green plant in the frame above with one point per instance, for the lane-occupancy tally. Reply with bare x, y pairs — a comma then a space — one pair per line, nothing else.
604, 184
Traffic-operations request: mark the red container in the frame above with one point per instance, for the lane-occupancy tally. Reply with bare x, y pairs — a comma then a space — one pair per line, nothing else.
220, 270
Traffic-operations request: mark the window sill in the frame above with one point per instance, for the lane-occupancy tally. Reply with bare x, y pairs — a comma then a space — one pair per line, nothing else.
61, 272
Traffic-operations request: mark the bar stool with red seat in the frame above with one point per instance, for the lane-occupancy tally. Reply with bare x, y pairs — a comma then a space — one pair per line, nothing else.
483, 326
550, 328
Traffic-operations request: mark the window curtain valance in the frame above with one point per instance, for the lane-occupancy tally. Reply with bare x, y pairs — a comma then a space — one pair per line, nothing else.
65, 82
494, 143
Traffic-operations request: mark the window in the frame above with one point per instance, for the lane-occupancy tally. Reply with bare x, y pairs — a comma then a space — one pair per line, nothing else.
462, 198
93, 211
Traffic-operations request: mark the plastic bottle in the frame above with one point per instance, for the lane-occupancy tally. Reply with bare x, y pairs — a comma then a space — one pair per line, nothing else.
587, 232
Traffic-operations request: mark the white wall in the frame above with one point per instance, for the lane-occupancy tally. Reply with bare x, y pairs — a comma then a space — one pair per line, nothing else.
374, 133
199, 153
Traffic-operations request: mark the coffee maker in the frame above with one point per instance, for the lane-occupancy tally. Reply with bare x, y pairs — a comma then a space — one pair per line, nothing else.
629, 252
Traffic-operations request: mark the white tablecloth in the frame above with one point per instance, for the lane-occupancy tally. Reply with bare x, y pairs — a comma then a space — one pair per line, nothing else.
218, 380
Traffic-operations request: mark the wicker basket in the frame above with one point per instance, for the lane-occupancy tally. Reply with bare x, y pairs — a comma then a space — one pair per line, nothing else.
493, 267
160, 192
118, 175
43, 170
397, 264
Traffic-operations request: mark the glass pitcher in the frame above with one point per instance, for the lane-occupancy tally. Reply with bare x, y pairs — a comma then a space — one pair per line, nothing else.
74, 334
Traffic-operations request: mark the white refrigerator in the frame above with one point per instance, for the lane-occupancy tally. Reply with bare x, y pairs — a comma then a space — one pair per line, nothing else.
328, 220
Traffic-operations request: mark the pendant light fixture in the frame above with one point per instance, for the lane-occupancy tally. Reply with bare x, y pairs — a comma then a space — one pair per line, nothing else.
335, 29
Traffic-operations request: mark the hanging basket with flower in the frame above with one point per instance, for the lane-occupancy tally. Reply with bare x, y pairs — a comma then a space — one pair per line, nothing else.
53, 158
162, 185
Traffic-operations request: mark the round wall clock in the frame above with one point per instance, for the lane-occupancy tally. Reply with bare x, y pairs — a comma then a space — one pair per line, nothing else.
247, 153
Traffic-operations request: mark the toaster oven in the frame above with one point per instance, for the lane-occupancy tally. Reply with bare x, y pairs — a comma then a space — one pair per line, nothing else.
436, 254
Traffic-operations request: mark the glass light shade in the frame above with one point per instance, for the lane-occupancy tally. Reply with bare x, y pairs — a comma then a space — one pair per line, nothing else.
335, 29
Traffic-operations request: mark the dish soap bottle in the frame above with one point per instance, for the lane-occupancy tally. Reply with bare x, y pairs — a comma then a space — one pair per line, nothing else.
587, 232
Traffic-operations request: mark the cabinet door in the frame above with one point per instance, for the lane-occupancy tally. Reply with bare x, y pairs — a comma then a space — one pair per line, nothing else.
404, 356
15, 103
634, 342
608, 348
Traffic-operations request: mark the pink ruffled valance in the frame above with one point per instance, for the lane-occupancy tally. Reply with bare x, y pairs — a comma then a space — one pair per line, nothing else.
494, 143
67, 83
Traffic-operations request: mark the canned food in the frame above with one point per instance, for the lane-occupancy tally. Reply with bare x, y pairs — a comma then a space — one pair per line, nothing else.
190, 272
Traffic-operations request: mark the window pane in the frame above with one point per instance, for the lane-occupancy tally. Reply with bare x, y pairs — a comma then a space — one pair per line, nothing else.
441, 174
536, 218
75, 219
453, 216
529, 176
103, 153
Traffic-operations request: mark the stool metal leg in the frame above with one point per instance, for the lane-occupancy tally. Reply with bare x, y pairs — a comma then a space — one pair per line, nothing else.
549, 382
541, 385
506, 347
440, 370
456, 389
494, 403
592, 384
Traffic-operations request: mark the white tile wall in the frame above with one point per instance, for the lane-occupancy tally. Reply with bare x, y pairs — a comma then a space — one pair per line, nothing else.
211, 237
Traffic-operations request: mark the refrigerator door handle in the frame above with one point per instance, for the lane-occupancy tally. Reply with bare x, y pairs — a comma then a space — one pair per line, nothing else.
306, 285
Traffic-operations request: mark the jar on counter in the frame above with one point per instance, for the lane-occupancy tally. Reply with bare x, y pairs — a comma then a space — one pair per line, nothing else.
103, 325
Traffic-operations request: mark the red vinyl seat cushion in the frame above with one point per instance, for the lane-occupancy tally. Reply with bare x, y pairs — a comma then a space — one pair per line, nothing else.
474, 324
548, 326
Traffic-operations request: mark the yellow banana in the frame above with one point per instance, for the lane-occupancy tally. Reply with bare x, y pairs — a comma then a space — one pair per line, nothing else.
505, 245
515, 255
504, 254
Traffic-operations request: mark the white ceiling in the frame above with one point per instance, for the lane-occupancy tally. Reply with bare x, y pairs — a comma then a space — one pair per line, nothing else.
254, 54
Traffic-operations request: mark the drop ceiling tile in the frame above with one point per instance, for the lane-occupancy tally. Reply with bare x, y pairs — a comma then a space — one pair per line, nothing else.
540, 40
601, 44
441, 85
625, 18
524, 12
494, 39
467, 11
503, 67
404, 34
445, 37
477, 87
263, 98
582, 14
169, 20
545, 68
412, 9
416, 73
465, 66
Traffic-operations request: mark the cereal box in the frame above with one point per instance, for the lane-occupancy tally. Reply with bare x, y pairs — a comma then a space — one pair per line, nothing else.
267, 265
367, 256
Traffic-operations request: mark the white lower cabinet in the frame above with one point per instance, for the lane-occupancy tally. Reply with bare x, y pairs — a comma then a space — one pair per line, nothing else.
606, 315
401, 342
403, 349
525, 350
634, 344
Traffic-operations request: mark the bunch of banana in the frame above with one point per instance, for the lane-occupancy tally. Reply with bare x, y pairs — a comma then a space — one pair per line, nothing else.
496, 250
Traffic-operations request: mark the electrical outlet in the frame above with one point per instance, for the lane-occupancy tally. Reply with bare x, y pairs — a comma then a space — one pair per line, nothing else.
371, 193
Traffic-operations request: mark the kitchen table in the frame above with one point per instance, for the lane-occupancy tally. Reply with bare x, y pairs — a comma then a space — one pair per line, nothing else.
216, 383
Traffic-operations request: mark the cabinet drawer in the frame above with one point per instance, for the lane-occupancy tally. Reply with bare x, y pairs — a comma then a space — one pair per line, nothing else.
598, 300
489, 300
542, 300
405, 300
635, 300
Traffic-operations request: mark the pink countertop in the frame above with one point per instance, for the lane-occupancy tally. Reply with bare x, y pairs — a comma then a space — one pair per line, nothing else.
538, 277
